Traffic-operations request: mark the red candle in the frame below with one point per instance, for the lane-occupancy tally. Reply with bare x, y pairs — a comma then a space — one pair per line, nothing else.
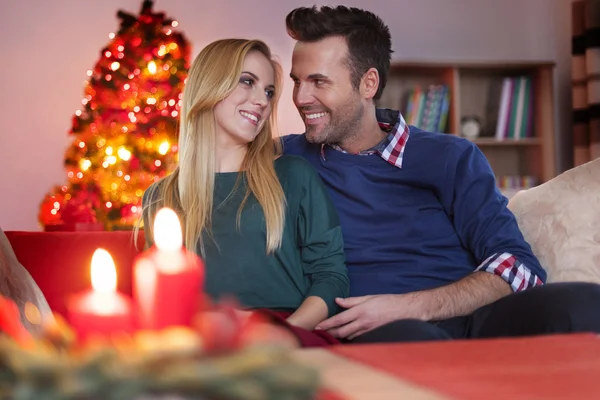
168, 279
101, 311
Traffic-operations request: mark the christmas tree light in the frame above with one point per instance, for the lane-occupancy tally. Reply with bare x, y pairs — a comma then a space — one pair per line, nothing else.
124, 137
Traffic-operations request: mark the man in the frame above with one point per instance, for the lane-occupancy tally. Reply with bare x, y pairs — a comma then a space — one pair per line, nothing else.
432, 250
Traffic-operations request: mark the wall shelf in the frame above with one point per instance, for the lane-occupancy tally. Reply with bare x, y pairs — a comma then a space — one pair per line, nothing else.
475, 89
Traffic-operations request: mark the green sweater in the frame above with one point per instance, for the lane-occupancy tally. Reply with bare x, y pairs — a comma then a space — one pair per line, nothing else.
311, 259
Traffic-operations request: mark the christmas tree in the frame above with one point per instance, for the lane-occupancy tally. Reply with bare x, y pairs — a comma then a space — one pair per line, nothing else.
125, 135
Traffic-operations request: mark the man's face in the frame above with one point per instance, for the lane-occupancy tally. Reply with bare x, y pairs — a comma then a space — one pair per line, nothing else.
330, 107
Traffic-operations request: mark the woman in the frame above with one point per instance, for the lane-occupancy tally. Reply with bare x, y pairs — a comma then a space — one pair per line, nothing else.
264, 224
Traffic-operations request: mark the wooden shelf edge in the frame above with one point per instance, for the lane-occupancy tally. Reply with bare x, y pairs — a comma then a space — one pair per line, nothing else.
507, 142
492, 64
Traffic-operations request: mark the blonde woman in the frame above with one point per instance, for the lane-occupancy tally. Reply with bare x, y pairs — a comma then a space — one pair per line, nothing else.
264, 224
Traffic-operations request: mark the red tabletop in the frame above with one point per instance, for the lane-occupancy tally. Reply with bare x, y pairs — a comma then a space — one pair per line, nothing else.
544, 367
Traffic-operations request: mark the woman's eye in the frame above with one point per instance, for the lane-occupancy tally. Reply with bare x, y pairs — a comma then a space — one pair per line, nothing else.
270, 93
247, 81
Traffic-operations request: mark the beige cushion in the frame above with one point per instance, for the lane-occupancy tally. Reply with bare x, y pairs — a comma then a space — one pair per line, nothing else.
561, 221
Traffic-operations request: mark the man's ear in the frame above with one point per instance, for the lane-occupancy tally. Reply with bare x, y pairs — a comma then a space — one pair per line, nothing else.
369, 83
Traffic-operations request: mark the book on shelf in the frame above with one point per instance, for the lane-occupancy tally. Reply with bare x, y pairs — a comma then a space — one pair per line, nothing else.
515, 113
510, 185
427, 108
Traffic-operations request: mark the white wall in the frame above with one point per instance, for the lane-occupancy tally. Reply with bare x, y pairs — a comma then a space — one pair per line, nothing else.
49, 45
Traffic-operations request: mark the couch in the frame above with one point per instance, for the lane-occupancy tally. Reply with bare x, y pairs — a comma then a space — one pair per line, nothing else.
560, 219
60, 262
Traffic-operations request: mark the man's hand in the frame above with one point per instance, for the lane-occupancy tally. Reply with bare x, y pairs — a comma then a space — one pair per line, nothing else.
460, 298
366, 313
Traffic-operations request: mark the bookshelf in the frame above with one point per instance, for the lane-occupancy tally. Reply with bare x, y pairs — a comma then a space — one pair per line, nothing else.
520, 154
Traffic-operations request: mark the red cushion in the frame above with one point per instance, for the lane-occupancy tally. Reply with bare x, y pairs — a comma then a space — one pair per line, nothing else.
60, 262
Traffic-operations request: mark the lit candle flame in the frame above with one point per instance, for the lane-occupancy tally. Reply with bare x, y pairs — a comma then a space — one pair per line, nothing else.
167, 230
104, 273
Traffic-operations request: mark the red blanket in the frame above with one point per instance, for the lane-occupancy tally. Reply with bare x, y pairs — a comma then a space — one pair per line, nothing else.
307, 338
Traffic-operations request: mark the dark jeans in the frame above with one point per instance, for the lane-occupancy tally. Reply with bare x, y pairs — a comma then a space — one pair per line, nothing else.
552, 308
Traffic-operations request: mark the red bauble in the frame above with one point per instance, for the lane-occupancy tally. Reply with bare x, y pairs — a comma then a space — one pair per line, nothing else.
220, 330
49, 213
134, 163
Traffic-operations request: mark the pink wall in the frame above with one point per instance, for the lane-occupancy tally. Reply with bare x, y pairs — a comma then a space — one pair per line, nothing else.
48, 46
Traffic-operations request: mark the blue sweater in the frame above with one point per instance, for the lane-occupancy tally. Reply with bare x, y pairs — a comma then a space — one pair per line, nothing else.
429, 223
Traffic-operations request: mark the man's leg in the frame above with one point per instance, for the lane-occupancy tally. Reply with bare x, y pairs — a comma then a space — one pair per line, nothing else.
406, 330
552, 308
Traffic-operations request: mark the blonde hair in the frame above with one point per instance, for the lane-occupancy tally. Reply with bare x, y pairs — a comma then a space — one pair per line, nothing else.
212, 77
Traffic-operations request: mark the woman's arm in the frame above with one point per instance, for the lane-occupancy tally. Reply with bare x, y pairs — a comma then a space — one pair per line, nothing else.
312, 311
322, 251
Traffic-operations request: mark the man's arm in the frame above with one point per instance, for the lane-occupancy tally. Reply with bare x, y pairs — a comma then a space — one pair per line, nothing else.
462, 297
485, 225
489, 230
366, 313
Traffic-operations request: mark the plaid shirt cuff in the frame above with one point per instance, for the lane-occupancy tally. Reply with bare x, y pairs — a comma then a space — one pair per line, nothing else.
514, 272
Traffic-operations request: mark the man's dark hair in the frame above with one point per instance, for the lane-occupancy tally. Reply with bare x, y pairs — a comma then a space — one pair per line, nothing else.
367, 36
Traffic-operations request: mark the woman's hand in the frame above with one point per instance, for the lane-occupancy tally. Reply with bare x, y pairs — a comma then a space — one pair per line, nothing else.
312, 311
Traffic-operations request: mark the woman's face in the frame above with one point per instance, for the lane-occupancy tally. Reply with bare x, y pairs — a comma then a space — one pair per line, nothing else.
241, 116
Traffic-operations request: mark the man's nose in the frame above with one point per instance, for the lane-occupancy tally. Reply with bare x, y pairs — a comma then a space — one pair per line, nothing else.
302, 95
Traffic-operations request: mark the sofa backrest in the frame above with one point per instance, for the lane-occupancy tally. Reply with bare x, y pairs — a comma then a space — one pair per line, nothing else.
560, 219
60, 262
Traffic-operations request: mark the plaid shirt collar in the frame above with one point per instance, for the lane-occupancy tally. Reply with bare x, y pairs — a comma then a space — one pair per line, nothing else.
391, 149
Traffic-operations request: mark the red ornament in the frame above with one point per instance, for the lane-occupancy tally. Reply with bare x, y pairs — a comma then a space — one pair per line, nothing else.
220, 330
134, 163
50, 208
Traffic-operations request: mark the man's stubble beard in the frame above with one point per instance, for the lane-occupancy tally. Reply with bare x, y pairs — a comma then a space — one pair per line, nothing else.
344, 124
